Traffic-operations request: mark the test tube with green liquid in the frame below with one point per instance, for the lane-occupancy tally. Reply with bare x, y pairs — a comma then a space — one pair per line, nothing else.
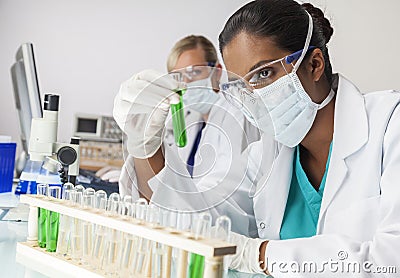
178, 115
202, 228
42, 215
52, 221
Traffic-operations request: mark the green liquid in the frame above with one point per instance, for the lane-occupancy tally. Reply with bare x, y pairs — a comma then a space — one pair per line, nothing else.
52, 230
42, 216
178, 121
196, 266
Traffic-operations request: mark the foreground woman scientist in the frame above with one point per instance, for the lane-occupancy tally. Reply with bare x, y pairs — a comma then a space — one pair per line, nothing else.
215, 139
328, 194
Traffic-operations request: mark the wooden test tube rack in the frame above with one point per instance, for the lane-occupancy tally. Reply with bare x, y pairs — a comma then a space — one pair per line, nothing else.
212, 249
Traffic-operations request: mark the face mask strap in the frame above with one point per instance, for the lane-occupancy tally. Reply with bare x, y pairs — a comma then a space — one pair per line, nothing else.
327, 99
307, 43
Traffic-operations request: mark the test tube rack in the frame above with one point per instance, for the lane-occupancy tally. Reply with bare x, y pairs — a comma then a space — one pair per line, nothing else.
213, 250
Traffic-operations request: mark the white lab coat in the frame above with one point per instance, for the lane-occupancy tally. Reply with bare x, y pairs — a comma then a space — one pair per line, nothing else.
128, 179
360, 211
219, 182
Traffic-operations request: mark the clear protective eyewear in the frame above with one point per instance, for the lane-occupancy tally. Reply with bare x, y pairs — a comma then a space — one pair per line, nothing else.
196, 72
240, 89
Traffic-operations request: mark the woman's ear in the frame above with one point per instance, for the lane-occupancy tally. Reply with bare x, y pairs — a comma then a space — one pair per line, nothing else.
316, 64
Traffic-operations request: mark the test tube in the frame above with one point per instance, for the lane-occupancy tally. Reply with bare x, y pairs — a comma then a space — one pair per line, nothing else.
66, 187
98, 248
80, 188
52, 221
76, 227
127, 252
100, 200
87, 227
222, 231
42, 215
162, 254
126, 207
64, 231
178, 115
184, 223
142, 248
201, 229
113, 239
222, 228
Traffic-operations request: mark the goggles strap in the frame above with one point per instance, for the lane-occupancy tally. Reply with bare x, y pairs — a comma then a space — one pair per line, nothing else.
307, 43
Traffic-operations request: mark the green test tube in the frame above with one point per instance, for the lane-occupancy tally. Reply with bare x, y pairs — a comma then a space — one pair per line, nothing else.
42, 215
202, 228
52, 221
178, 115
196, 266
178, 121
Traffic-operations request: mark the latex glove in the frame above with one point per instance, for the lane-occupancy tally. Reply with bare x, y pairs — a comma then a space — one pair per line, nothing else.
141, 108
109, 173
247, 254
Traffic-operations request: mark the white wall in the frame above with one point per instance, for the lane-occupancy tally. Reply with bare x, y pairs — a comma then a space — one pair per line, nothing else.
85, 49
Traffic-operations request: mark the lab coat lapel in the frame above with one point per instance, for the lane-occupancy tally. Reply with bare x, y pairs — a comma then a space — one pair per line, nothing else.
272, 192
350, 134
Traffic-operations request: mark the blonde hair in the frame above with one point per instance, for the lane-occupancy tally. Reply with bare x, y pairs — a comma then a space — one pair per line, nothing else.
189, 43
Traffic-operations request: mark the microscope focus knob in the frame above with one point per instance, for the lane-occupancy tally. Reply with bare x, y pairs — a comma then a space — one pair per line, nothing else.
66, 155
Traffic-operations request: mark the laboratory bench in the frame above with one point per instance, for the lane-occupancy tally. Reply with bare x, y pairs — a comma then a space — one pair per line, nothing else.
25, 263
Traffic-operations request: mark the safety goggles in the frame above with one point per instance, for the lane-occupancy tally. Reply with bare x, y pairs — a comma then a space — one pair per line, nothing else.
196, 72
240, 89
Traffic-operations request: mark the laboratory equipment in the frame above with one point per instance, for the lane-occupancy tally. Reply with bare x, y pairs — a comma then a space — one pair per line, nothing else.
100, 200
26, 95
100, 145
213, 250
100, 203
223, 226
97, 128
143, 257
201, 229
52, 221
63, 244
27, 181
43, 143
162, 262
127, 211
222, 231
42, 215
113, 237
184, 224
7, 159
178, 115
76, 226
49, 172
43, 139
87, 227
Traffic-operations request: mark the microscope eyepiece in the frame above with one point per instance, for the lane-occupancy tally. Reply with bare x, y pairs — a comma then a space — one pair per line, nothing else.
51, 102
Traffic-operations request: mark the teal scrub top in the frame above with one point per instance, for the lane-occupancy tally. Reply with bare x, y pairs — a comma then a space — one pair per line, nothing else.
303, 203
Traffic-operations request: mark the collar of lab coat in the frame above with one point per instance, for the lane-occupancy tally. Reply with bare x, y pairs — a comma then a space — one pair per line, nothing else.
350, 134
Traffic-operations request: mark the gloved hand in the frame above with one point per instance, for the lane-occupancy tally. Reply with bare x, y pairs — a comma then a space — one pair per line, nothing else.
247, 254
141, 108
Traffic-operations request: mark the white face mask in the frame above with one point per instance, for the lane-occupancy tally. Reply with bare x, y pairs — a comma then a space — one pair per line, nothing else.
290, 108
290, 111
200, 96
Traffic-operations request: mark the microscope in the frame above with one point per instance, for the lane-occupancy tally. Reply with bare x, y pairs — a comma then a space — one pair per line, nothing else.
43, 140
